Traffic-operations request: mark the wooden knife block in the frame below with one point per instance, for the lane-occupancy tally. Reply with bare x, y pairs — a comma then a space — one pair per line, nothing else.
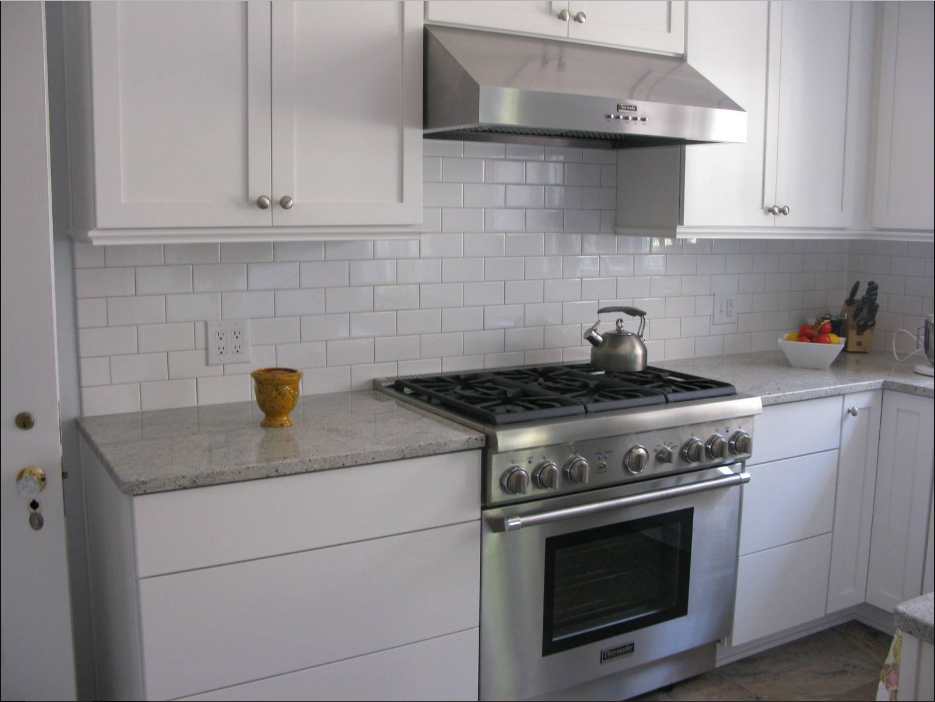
858, 343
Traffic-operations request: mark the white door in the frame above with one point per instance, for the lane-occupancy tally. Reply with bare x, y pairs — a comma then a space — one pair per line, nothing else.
637, 24
727, 44
181, 100
526, 16
348, 156
807, 152
38, 658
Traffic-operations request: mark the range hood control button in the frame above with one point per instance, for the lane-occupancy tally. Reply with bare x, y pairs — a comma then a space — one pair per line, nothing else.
546, 475
693, 451
577, 470
515, 481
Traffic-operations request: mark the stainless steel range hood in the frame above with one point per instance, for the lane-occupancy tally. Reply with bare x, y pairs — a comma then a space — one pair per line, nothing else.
485, 86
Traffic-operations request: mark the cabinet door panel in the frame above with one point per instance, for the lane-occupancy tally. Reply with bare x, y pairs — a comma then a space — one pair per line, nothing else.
215, 627
905, 140
902, 500
181, 106
813, 93
788, 501
526, 16
723, 183
438, 669
654, 26
853, 503
781, 588
347, 113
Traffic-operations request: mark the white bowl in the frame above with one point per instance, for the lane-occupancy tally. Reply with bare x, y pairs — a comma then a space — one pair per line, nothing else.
802, 355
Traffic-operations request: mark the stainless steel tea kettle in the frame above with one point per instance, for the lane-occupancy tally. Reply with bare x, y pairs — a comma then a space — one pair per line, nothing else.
618, 349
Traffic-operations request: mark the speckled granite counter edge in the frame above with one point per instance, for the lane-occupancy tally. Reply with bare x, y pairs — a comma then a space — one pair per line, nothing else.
917, 617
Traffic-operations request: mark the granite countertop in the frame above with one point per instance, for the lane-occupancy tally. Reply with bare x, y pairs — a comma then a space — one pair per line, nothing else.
915, 617
163, 450
769, 375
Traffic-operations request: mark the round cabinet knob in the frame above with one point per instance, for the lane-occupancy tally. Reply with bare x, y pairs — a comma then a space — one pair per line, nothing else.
636, 460
693, 451
577, 470
854, 411
580, 17
664, 455
774, 210
263, 202
30, 482
740, 442
716, 447
564, 15
286, 202
546, 475
515, 481
785, 209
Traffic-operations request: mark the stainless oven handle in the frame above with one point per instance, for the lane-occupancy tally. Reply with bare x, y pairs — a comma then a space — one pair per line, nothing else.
514, 523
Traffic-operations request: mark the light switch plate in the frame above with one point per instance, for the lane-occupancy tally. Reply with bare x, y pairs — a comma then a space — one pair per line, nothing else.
725, 308
228, 341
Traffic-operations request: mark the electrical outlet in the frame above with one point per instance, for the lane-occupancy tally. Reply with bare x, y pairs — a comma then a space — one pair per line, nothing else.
725, 308
228, 341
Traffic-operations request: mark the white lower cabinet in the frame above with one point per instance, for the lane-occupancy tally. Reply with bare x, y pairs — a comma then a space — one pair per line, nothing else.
319, 587
781, 588
902, 501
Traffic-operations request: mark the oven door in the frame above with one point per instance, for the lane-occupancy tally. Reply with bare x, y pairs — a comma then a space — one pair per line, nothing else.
579, 587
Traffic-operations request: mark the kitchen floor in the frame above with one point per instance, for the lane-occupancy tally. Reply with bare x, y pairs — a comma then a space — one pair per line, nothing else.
842, 663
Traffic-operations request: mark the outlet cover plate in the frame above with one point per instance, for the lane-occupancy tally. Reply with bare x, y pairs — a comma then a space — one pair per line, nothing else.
725, 308
228, 341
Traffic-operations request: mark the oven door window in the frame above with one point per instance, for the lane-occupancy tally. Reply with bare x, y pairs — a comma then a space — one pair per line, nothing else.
613, 579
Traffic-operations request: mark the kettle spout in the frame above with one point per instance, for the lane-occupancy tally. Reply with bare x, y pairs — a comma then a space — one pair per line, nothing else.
593, 337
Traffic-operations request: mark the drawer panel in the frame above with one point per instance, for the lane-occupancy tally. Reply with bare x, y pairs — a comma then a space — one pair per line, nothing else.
781, 588
788, 501
438, 669
215, 627
797, 428
220, 524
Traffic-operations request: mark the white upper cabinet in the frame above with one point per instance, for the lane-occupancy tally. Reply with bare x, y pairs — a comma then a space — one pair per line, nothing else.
644, 26
904, 182
195, 121
803, 73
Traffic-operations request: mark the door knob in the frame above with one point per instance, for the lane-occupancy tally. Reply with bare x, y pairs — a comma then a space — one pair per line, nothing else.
30, 482
581, 18
262, 202
286, 202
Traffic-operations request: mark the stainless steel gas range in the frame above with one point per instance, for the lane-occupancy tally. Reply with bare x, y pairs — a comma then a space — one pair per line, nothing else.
610, 526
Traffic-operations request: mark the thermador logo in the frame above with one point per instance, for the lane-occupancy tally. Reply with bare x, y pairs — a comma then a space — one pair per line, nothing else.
621, 107
609, 654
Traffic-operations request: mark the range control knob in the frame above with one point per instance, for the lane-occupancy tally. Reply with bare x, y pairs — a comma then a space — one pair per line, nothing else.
740, 442
515, 481
693, 450
664, 455
577, 470
716, 447
636, 460
546, 475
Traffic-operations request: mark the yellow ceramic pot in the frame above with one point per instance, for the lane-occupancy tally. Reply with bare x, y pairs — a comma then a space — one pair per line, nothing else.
277, 392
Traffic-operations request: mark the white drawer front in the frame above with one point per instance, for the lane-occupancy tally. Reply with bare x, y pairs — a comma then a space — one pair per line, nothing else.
797, 428
788, 501
210, 526
215, 627
438, 669
781, 588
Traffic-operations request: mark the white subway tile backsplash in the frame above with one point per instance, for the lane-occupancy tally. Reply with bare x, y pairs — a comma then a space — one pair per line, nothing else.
176, 336
518, 255
104, 282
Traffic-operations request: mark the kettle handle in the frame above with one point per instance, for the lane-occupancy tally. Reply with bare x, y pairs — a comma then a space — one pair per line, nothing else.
632, 311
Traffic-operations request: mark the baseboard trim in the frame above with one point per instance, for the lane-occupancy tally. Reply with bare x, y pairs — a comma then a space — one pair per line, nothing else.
863, 613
